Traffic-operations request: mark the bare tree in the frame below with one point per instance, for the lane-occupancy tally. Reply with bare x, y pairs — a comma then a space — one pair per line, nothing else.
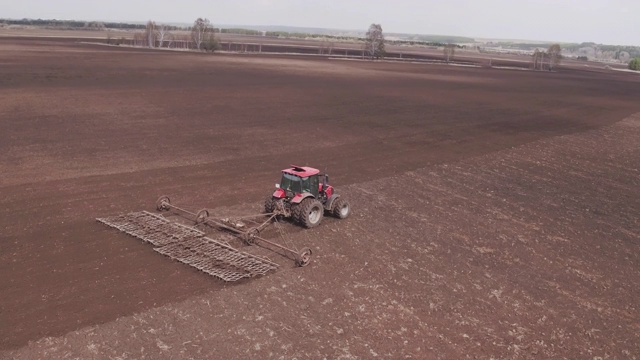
374, 42
138, 39
162, 33
449, 51
535, 58
183, 41
624, 57
538, 59
326, 47
555, 55
150, 33
200, 31
170, 39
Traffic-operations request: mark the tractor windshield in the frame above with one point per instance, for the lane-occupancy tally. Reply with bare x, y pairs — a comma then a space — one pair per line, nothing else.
291, 183
299, 185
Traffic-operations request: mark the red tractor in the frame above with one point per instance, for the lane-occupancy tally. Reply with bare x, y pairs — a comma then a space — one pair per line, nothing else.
304, 195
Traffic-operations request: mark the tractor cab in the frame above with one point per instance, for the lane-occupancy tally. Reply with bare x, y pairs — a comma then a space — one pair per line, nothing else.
301, 180
298, 185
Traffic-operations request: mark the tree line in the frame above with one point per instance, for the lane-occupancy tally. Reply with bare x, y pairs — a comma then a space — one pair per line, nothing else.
374, 44
200, 36
99, 25
551, 58
78, 25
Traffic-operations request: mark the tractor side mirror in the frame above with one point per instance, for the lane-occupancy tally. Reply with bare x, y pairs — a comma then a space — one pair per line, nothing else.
325, 182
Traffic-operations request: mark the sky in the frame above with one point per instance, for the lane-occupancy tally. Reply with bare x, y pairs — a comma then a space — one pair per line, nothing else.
615, 22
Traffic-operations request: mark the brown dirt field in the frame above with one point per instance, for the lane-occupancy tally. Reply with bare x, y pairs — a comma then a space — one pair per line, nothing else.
495, 211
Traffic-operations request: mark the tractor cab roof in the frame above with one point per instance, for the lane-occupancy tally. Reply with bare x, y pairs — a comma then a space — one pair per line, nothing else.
301, 171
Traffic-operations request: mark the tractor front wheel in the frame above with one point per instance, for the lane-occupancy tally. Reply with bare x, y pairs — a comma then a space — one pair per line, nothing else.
309, 213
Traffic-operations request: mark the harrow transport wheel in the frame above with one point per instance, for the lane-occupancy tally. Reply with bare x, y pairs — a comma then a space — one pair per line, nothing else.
250, 236
341, 209
270, 205
309, 213
163, 203
202, 216
303, 258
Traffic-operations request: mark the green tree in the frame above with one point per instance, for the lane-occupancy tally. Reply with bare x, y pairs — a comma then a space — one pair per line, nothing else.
634, 64
374, 42
210, 42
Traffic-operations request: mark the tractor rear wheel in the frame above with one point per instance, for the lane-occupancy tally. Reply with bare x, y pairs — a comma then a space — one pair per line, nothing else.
270, 205
341, 209
309, 213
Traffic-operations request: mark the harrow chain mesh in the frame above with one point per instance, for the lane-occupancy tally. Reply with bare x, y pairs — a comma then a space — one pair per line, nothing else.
190, 246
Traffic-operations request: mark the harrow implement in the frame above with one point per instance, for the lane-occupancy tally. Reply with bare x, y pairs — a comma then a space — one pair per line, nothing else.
193, 247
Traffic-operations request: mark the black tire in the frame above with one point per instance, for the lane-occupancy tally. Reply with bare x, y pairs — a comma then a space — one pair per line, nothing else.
270, 204
163, 203
308, 213
296, 212
303, 258
202, 216
341, 208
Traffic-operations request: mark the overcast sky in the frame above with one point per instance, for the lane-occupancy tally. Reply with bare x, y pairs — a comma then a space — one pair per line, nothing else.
601, 21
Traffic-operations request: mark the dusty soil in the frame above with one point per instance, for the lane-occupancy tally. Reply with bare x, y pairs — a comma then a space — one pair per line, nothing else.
495, 211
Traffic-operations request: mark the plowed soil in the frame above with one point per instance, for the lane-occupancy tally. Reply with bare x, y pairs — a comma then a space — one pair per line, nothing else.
495, 212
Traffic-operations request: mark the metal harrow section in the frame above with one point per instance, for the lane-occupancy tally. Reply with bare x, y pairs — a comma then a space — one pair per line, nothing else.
190, 246
217, 259
151, 228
